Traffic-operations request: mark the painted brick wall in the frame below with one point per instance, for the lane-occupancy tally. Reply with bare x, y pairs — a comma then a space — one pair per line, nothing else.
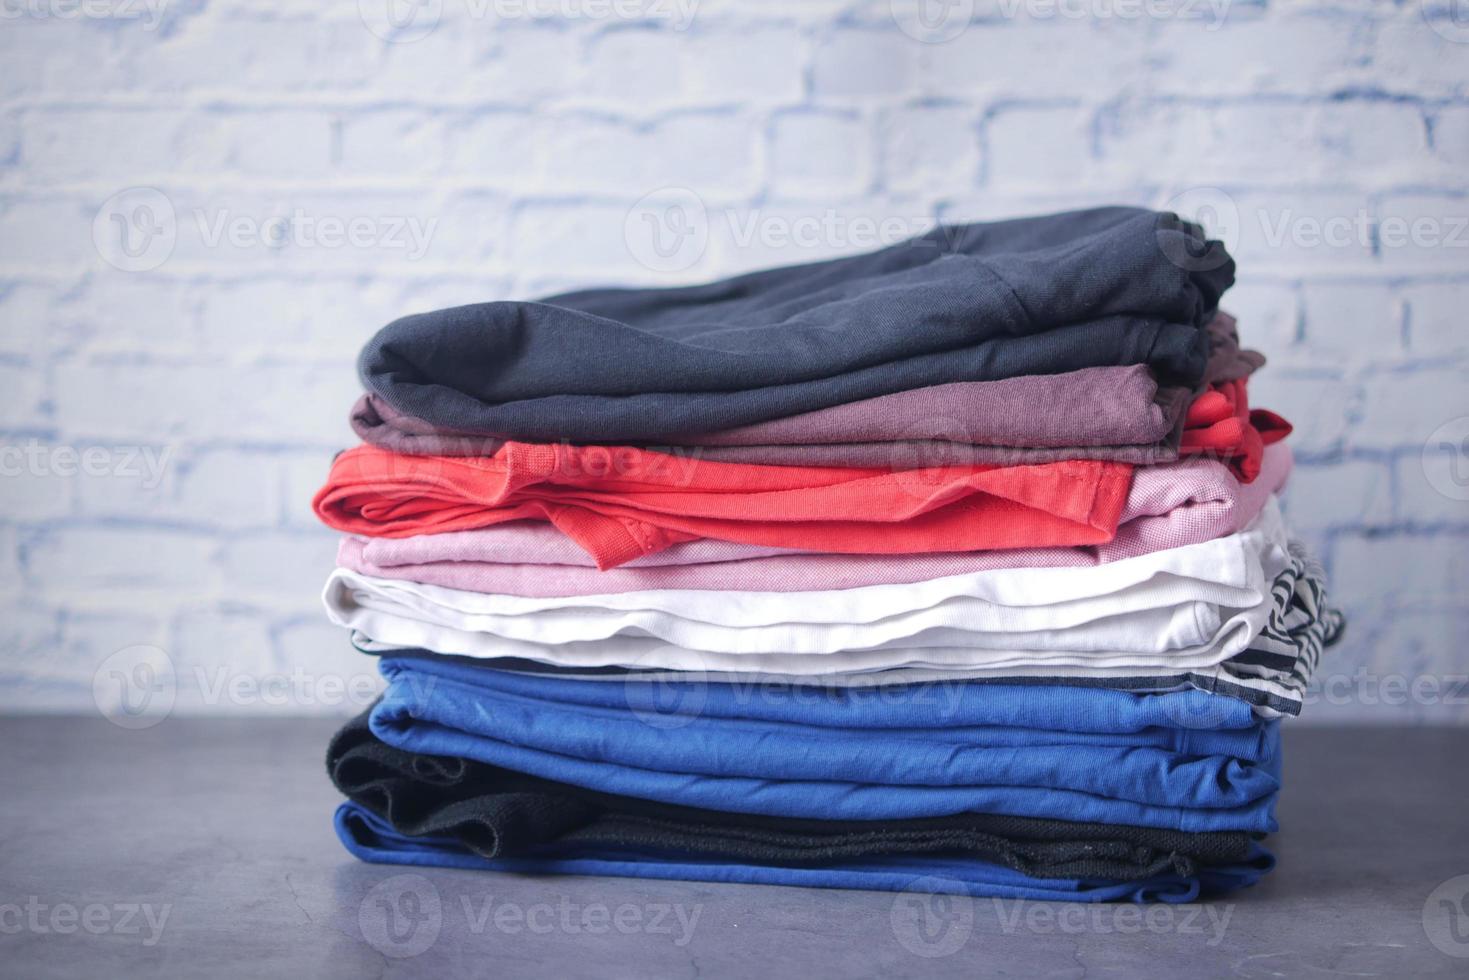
205, 207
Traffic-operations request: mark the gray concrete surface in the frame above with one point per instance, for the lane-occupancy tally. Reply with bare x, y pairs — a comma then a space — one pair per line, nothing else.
204, 849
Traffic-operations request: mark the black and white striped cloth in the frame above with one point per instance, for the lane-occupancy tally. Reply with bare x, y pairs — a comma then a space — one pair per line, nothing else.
1271, 674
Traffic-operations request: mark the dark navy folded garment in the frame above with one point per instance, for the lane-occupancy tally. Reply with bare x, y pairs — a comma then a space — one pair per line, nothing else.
499, 813
976, 302
371, 838
1185, 761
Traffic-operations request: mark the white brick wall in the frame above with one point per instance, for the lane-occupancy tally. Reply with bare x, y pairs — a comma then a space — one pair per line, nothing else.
316, 180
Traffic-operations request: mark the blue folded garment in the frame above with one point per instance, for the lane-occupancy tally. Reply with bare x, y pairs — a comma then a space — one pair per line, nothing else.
372, 839
1068, 753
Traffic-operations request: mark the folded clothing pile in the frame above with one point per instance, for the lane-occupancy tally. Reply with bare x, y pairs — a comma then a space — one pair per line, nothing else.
960, 561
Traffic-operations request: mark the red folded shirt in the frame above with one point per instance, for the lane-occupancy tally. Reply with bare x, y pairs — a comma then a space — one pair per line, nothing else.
619, 503
1220, 423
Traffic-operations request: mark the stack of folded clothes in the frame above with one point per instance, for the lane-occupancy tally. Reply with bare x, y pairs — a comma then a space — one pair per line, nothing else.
959, 561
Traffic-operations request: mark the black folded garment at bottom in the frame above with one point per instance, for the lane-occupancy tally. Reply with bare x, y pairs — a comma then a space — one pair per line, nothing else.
499, 813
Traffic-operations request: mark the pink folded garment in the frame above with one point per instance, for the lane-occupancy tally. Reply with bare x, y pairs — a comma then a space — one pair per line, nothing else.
1168, 506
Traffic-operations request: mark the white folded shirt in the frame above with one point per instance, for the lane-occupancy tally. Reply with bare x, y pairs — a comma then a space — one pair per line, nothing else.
1185, 605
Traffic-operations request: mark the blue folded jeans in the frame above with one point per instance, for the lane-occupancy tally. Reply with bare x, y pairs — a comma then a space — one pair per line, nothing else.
371, 839
1185, 761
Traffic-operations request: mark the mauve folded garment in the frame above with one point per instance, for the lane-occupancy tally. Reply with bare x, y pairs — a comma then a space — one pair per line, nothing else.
1218, 424
620, 502
1228, 361
371, 838
501, 813
1096, 413
1167, 507
1115, 413
980, 302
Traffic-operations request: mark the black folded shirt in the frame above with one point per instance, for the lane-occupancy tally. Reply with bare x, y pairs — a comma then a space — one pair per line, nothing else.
973, 302
500, 813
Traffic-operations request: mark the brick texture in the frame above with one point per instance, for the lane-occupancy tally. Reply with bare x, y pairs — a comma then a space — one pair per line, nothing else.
205, 208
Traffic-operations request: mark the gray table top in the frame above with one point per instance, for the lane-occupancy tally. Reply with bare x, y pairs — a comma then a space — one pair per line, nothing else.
204, 848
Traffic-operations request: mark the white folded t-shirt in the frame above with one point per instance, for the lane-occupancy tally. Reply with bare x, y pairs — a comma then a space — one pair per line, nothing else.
1184, 605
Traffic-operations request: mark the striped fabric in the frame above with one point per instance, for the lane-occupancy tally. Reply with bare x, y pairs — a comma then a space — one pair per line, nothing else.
1271, 674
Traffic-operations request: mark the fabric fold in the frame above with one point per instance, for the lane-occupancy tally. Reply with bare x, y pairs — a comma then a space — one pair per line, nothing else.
621, 503
499, 813
1271, 675
1117, 413
371, 838
1109, 286
1167, 600
1169, 506
756, 757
